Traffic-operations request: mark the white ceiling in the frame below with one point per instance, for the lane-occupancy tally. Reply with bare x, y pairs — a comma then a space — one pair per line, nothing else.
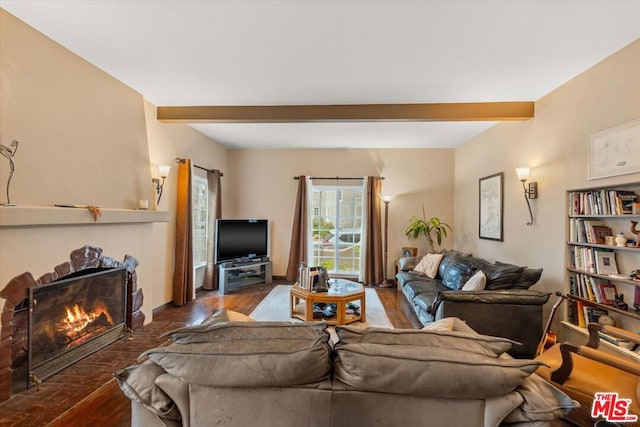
242, 52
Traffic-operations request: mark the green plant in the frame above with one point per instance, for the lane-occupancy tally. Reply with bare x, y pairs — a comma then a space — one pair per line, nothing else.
420, 225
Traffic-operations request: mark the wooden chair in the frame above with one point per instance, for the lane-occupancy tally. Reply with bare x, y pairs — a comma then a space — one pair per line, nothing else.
582, 371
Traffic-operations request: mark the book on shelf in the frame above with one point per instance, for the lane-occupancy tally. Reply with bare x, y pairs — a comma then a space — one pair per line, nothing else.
625, 200
602, 202
606, 262
572, 315
608, 292
615, 340
580, 314
592, 314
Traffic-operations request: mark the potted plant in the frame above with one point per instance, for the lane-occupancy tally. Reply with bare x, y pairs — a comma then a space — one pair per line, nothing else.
428, 227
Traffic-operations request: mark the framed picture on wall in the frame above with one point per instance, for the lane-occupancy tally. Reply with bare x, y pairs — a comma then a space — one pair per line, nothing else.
491, 190
615, 151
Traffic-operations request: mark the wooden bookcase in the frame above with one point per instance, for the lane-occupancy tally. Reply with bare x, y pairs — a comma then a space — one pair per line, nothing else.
593, 213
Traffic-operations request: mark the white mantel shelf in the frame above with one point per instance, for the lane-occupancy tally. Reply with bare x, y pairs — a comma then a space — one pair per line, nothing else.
21, 216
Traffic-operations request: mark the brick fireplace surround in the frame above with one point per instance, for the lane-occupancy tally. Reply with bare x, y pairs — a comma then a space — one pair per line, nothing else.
17, 290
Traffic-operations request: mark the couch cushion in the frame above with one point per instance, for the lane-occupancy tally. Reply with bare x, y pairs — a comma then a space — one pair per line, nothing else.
500, 275
528, 278
425, 300
429, 264
250, 354
428, 371
468, 340
458, 271
210, 331
405, 277
417, 287
247, 363
137, 382
407, 263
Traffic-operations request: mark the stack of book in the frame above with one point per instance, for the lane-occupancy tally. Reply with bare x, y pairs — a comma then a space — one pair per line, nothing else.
602, 202
593, 289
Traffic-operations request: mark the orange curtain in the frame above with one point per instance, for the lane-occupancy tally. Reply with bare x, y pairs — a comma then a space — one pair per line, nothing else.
183, 269
373, 261
298, 246
215, 211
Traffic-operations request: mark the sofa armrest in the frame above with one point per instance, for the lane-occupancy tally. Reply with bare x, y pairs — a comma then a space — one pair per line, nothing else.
515, 314
511, 296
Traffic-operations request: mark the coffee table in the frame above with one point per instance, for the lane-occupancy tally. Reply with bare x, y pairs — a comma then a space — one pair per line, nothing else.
342, 297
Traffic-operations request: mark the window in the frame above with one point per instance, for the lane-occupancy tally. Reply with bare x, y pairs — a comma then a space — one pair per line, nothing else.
200, 214
336, 228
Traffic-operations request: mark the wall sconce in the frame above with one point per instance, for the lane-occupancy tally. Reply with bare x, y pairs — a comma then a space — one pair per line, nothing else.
163, 170
530, 191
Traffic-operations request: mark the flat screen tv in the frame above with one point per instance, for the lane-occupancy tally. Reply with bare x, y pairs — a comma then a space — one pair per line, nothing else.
238, 239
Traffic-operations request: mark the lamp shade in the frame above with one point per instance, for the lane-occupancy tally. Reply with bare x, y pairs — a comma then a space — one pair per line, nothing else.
163, 170
387, 197
523, 173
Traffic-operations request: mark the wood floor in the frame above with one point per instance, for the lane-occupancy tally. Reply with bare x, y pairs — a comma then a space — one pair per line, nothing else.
86, 394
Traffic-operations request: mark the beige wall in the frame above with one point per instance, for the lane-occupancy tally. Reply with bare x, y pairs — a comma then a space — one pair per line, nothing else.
263, 187
166, 142
554, 145
83, 140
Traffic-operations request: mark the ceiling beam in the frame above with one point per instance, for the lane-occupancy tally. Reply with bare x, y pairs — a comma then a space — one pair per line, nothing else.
473, 111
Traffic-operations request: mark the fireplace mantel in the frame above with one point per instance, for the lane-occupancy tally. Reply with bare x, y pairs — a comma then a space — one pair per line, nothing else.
19, 216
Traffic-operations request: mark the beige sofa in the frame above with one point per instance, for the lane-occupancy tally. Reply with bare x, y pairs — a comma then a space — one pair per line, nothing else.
227, 373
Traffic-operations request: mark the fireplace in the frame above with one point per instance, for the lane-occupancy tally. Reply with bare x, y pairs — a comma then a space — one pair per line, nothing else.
74, 317
48, 324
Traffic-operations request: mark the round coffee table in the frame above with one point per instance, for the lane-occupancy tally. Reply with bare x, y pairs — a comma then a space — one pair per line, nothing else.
344, 303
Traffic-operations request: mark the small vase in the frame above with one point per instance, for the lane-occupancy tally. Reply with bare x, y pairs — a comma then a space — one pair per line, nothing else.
621, 240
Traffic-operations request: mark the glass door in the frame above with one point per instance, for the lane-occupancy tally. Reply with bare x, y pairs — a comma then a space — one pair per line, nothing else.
336, 228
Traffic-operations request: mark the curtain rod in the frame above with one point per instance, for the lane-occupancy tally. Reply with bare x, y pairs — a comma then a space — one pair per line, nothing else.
180, 160
334, 177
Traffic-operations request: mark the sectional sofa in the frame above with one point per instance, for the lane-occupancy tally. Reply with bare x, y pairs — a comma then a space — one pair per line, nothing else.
498, 302
291, 374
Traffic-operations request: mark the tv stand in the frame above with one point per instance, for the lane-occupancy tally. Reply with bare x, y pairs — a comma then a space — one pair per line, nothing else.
237, 274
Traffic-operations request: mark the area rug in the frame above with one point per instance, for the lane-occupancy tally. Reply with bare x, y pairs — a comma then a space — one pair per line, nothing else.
275, 307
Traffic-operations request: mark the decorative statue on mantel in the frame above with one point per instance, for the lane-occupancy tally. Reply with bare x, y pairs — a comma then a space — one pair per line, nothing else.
634, 230
9, 152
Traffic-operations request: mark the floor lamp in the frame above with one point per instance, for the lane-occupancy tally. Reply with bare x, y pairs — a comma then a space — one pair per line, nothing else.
386, 198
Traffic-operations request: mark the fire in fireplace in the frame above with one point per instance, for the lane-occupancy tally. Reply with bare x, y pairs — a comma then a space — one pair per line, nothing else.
41, 327
74, 317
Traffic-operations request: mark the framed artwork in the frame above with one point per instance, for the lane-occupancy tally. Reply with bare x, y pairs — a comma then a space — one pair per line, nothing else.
491, 206
615, 151
409, 251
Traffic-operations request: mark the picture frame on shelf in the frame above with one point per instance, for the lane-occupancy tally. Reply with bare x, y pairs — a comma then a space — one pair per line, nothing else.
409, 251
615, 151
608, 292
491, 207
600, 233
606, 263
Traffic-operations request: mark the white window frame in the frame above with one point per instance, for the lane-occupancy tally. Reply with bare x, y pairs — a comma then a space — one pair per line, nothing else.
199, 211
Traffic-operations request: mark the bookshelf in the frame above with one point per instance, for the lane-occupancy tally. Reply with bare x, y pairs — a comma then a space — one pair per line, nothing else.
597, 267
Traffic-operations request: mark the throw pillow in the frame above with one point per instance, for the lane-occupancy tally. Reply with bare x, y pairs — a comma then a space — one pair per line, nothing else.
407, 263
475, 282
429, 265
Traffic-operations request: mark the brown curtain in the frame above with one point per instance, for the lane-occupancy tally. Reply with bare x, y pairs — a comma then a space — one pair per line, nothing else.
373, 261
298, 246
214, 211
183, 270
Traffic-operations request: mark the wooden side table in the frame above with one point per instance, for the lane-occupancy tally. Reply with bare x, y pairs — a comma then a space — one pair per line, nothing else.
341, 293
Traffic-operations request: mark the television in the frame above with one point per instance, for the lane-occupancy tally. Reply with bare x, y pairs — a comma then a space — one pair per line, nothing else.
241, 239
